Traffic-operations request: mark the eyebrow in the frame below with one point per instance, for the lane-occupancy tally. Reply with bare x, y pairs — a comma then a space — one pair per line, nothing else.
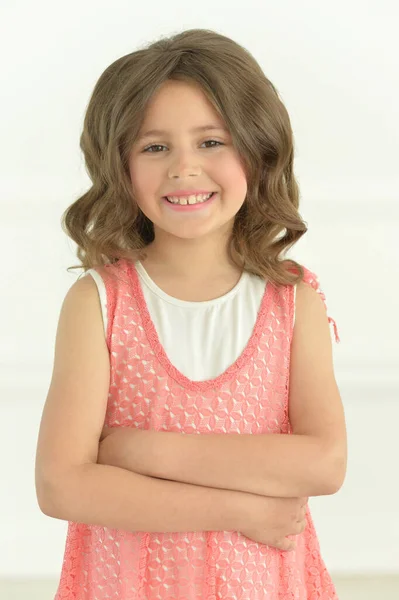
153, 132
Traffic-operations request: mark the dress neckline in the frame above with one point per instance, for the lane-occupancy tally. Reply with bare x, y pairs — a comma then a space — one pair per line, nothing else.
187, 304
173, 372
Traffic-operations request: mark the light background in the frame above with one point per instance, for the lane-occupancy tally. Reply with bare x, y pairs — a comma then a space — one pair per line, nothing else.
336, 68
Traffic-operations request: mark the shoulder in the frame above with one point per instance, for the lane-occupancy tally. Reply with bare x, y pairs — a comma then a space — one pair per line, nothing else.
84, 284
311, 319
83, 290
82, 306
307, 295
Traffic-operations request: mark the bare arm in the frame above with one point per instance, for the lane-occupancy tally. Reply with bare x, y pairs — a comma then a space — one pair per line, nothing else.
112, 497
310, 462
225, 461
70, 484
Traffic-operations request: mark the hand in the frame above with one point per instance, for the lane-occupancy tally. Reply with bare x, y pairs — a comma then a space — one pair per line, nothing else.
271, 520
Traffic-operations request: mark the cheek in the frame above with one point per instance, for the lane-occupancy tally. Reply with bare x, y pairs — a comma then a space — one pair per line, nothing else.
143, 178
234, 175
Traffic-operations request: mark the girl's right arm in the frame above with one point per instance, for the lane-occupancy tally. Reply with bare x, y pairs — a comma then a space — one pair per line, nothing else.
70, 485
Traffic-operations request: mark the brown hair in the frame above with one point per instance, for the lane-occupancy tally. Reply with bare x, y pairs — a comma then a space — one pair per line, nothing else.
107, 224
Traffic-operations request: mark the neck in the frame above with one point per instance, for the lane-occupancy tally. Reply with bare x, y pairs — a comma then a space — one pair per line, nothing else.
190, 259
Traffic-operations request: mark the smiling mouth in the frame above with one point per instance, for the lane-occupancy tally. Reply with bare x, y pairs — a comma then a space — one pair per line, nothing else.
185, 200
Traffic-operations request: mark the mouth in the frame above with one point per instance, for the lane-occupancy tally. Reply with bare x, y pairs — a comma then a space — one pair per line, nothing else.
212, 194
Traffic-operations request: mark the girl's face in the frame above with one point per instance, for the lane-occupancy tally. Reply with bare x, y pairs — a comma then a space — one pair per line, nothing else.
178, 158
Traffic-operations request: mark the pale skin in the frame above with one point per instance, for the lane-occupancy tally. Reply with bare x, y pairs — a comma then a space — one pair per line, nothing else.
153, 481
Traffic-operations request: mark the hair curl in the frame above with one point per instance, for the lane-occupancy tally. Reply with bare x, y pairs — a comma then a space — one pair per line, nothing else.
106, 223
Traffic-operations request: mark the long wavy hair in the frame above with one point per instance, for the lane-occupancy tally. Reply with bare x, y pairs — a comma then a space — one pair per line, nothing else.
106, 222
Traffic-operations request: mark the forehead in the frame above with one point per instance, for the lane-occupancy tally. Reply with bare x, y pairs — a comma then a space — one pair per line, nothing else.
178, 105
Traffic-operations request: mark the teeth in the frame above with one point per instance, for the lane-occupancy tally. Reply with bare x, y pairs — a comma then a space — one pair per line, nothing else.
193, 199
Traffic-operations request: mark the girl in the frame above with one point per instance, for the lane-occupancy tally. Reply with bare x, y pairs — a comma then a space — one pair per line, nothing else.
193, 345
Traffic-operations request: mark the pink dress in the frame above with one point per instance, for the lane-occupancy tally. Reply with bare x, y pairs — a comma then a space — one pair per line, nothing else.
148, 392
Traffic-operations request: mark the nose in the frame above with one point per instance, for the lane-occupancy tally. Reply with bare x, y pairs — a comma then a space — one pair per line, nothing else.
184, 165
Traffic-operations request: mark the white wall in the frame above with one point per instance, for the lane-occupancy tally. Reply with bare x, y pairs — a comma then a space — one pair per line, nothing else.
336, 67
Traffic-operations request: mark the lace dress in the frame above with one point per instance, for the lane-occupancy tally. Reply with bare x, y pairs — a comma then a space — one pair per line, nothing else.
148, 392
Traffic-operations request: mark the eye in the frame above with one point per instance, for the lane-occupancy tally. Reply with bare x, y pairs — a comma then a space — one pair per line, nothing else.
147, 149
152, 146
214, 141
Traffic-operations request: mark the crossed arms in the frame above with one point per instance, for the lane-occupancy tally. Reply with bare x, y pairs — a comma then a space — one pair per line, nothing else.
310, 462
